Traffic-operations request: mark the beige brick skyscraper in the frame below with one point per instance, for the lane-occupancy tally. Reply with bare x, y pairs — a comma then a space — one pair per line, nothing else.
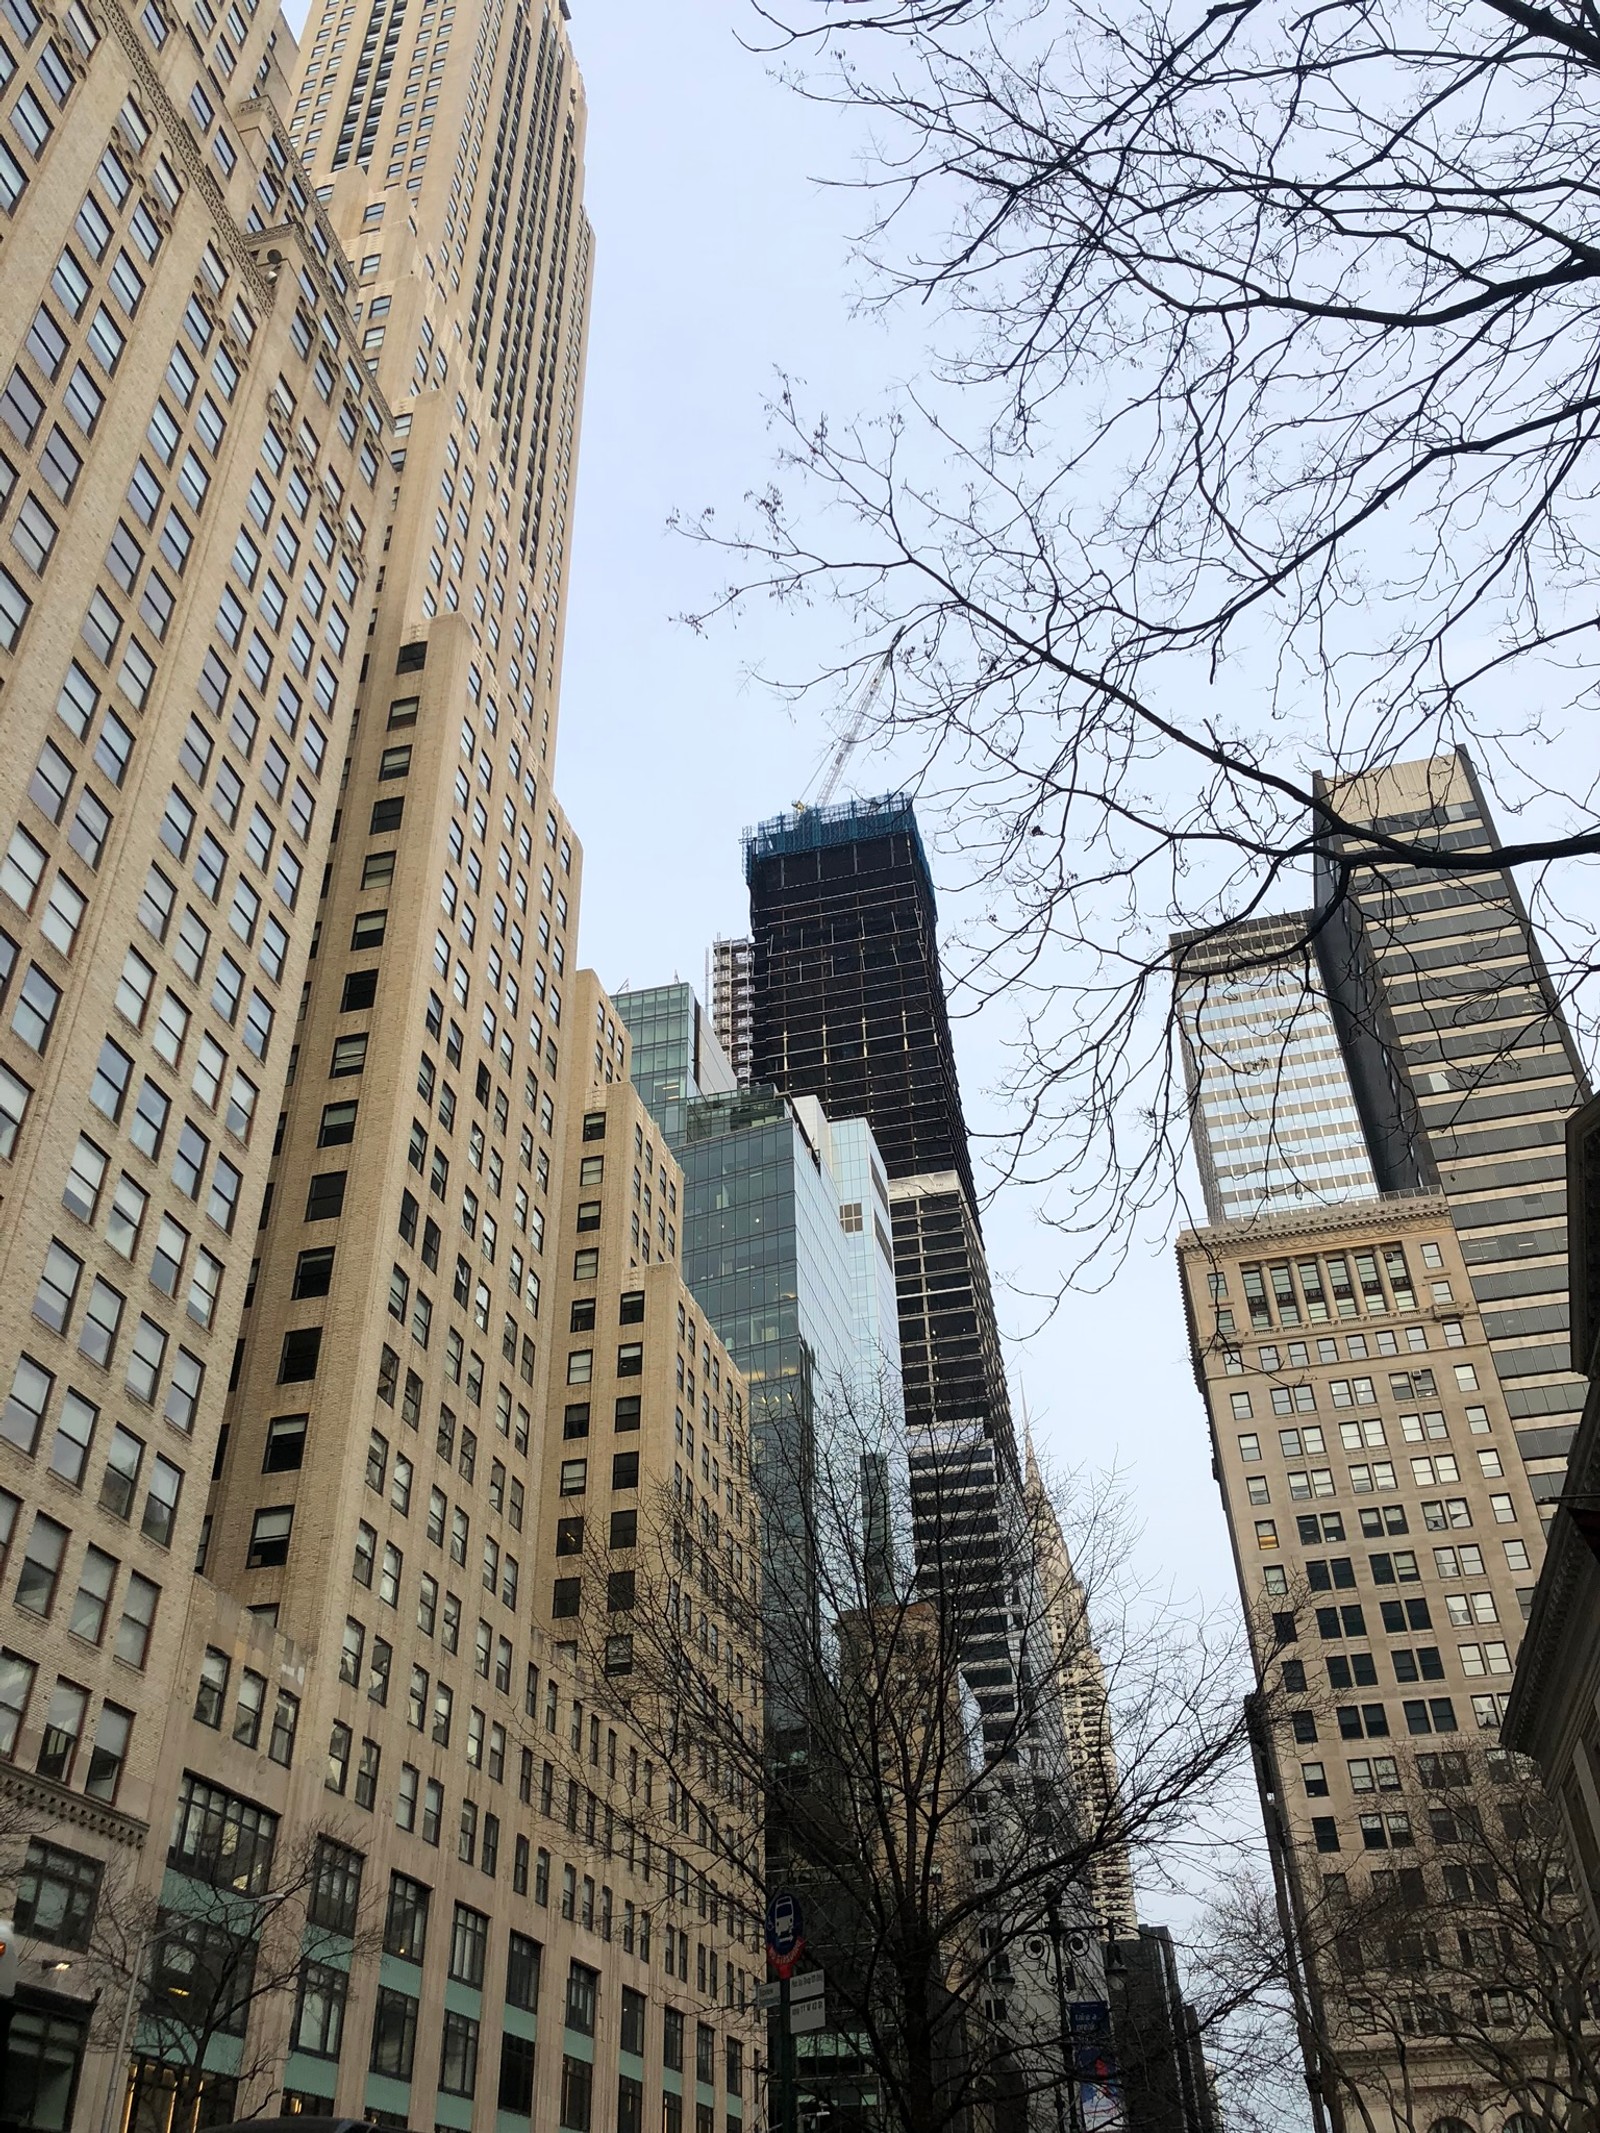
178, 374
246, 886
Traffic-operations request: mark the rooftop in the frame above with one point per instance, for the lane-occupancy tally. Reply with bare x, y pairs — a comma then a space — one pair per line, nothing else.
815, 829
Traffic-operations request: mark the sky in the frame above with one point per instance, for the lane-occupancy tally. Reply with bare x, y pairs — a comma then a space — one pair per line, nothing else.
722, 259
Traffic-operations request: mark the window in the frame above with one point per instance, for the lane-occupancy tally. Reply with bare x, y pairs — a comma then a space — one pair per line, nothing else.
583, 1990
270, 1532
405, 1931
394, 2034
337, 1127
31, 1387
299, 1356
58, 1287
57, 1894
335, 1896
458, 2058
35, 1011
249, 1708
212, 1695
319, 2014
286, 1444
469, 1945
325, 1196
14, 1095
93, 1596
138, 1616
63, 1729
522, 1972
41, 1566
221, 1838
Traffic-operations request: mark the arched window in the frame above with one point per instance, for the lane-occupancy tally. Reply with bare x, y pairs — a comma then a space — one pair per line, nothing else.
1520, 2122
1459, 2125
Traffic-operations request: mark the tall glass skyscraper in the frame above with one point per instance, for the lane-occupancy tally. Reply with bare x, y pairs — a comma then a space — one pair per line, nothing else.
848, 1007
786, 1246
1486, 1054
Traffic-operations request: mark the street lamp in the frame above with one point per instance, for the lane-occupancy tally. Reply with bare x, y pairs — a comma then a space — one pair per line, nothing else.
1067, 2113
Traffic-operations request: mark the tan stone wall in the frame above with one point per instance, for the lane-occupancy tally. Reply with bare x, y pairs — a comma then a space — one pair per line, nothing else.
1419, 1499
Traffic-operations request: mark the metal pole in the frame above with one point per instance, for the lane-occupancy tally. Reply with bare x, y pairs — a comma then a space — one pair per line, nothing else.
788, 2099
1067, 2086
117, 2088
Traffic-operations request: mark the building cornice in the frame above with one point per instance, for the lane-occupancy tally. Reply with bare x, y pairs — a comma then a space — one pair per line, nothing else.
1391, 1209
55, 1803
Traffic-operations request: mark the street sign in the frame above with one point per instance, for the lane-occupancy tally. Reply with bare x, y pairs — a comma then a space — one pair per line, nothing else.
807, 2015
786, 1936
768, 1997
10, 1960
807, 1986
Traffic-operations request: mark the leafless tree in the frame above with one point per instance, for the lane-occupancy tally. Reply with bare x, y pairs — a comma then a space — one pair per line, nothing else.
1451, 1973
1255, 440
222, 1974
929, 1807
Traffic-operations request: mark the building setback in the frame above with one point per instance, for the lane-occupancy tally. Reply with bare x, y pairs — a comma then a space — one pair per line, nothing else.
730, 967
265, 914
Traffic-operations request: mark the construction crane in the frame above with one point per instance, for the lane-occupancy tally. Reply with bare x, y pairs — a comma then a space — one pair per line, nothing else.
856, 710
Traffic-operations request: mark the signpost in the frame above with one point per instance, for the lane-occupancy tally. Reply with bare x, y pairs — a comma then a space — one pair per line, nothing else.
786, 1932
808, 2007
786, 1937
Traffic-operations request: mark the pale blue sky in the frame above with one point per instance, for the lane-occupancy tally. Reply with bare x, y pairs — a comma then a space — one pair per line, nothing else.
720, 259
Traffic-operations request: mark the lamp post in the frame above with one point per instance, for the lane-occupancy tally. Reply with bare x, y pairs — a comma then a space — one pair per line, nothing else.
1067, 2113
117, 2080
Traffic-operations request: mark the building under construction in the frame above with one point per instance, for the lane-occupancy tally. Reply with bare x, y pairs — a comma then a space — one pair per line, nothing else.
847, 1005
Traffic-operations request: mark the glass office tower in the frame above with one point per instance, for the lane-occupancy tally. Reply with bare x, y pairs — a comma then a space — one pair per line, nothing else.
849, 1007
786, 1245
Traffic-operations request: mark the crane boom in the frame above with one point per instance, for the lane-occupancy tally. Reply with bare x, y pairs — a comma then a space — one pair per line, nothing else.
866, 696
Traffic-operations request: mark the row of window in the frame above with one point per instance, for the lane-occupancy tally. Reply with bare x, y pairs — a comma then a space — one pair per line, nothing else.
1370, 1282
1357, 1347
1427, 1426
63, 1724
1354, 1392
1410, 1664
